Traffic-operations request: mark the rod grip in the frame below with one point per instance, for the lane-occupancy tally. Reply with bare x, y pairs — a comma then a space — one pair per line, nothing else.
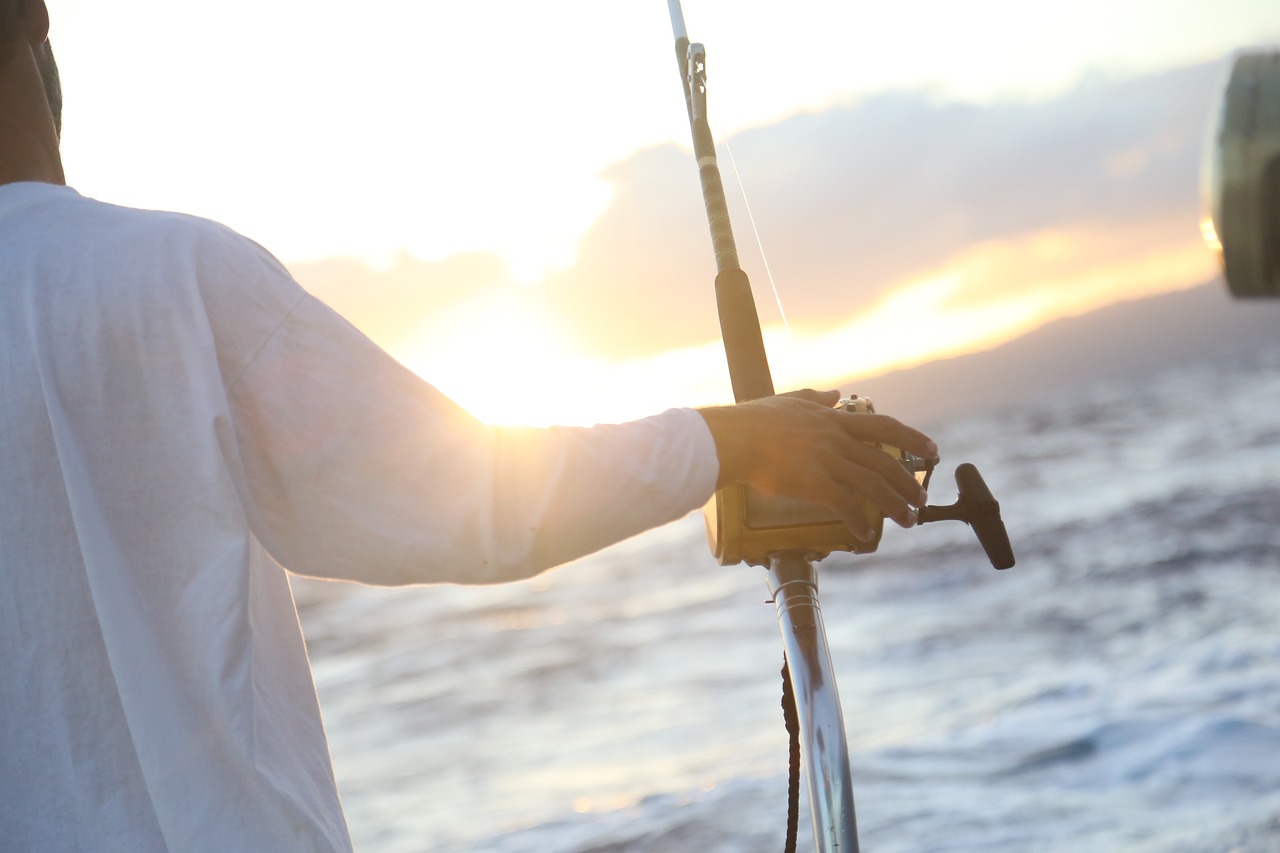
743, 340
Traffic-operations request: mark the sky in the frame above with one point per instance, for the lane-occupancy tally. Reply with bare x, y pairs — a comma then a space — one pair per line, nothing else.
502, 193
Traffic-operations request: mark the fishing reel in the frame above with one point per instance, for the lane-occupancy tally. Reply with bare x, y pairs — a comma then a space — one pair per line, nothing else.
745, 525
1241, 178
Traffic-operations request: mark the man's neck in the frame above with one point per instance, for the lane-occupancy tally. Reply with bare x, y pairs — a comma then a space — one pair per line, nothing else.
31, 165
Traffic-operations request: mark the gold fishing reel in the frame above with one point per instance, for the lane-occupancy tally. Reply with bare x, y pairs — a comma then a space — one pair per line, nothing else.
746, 525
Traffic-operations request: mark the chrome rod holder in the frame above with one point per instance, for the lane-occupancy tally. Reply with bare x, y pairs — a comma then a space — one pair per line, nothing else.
793, 582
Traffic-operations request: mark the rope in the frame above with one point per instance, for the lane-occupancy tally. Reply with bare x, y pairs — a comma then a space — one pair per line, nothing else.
792, 720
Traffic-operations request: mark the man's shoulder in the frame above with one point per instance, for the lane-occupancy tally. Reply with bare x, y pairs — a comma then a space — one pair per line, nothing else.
148, 254
216, 254
239, 288
168, 229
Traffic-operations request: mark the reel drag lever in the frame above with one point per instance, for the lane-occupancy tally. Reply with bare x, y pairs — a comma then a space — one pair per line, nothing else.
976, 507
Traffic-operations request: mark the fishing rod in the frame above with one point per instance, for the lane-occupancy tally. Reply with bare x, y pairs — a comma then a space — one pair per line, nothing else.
739, 322
787, 537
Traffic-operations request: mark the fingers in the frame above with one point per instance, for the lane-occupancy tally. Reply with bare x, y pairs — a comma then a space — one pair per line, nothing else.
851, 486
888, 430
889, 471
851, 513
878, 484
868, 427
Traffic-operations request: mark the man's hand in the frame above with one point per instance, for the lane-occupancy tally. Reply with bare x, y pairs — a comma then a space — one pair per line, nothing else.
799, 446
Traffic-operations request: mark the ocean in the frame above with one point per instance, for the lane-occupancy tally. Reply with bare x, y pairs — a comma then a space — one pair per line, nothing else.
1119, 690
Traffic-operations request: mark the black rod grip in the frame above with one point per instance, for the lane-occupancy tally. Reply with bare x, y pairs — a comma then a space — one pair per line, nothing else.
982, 511
743, 341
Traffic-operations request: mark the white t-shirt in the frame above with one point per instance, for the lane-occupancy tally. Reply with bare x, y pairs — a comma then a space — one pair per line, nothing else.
178, 420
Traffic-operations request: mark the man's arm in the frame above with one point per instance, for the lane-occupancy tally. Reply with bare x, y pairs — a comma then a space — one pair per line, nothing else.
355, 468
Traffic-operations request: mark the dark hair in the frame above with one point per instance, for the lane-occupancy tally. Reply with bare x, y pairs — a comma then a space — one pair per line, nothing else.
52, 84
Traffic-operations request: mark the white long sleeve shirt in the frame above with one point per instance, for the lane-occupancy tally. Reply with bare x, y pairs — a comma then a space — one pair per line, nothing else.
178, 420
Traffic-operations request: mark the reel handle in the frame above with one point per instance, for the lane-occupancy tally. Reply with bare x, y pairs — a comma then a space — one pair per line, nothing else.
977, 508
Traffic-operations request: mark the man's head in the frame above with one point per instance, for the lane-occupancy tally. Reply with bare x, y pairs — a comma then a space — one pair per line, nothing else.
19, 19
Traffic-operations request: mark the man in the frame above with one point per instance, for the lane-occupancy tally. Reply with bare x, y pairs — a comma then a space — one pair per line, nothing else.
179, 420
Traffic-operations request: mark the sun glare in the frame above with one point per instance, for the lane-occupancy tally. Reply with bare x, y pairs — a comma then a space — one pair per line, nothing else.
507, 358
499, 358
514, 368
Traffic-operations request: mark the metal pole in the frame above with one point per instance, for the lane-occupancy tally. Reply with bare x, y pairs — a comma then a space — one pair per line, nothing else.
793, 580
677, 22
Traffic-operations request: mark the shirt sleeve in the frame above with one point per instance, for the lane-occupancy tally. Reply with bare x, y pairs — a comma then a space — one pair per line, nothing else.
358, 469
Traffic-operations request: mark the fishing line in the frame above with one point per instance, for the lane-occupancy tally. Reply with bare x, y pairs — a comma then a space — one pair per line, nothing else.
759, 243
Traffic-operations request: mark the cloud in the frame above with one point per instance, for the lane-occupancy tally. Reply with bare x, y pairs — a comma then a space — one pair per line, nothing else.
858, 200
855, 199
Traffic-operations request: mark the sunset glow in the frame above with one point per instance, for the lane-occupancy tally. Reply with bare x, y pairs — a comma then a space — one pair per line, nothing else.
508, 360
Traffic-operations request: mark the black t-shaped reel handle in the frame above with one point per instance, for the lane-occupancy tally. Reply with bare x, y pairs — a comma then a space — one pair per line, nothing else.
978, 509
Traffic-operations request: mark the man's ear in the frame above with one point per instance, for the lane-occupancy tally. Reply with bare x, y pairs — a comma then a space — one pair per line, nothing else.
34, 17
22, 22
